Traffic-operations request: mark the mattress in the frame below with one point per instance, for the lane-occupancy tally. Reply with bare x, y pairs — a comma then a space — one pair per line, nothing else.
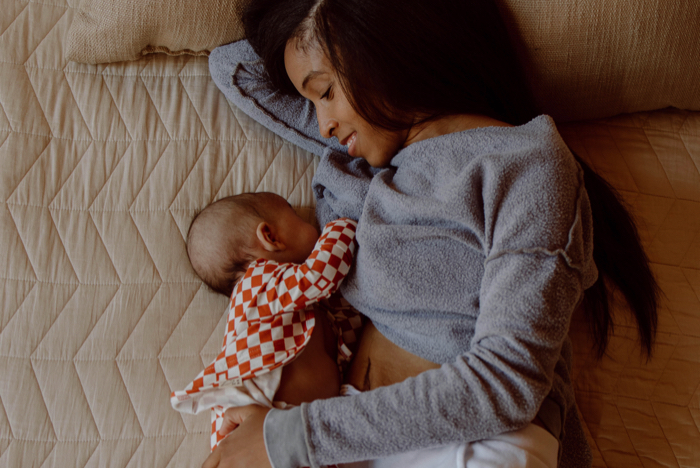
103, 167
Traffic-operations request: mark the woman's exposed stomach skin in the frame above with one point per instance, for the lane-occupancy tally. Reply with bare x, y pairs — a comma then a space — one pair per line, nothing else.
379, 362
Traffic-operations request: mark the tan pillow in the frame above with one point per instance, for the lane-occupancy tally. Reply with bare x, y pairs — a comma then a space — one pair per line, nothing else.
583, 58
117, 30
596, 58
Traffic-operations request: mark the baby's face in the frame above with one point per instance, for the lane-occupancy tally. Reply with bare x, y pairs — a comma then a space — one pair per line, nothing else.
298, 236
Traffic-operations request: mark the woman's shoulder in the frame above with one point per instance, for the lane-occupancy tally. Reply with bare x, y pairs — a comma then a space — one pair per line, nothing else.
535, 145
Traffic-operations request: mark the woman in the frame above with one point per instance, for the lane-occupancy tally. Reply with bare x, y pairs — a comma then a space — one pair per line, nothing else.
474, 237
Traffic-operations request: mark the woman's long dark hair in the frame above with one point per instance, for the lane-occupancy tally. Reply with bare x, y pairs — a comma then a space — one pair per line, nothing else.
400, 59
436, 57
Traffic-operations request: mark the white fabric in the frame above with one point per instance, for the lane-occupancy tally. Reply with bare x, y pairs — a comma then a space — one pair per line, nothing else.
259, 390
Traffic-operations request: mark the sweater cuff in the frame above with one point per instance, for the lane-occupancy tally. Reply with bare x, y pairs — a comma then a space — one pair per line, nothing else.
284, 438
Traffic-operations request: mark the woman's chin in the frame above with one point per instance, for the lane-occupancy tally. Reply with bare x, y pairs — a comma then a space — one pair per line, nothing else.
379, 160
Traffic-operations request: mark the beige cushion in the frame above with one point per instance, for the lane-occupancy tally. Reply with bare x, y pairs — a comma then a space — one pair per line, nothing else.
596, 58
117, 30
584, 58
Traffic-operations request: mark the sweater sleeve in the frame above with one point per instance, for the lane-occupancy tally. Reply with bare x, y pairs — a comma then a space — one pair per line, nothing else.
341, 182
495, 387
538, 262
238, 72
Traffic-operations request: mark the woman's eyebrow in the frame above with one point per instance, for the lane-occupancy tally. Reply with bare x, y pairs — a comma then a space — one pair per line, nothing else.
312, 74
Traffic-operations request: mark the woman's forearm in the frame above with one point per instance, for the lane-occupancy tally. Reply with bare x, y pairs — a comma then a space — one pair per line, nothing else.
496, 386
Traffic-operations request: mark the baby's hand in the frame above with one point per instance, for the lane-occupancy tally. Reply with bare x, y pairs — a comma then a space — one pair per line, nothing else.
230, 422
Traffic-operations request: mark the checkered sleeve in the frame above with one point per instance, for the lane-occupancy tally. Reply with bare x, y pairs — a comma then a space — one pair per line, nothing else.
287, 287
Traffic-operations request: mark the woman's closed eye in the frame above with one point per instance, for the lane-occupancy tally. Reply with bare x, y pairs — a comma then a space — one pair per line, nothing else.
327, 94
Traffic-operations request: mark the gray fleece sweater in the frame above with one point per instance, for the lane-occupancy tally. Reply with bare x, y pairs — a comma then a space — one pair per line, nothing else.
474, 248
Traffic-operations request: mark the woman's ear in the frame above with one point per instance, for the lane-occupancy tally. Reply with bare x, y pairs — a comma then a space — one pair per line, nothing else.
268, 239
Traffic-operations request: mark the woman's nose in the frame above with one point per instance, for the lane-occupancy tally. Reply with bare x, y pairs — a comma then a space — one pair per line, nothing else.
327, 126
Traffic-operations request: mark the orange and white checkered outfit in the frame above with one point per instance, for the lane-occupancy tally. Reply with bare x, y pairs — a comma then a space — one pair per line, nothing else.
270, 320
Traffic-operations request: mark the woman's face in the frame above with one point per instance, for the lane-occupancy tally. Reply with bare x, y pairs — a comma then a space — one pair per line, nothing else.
314, 77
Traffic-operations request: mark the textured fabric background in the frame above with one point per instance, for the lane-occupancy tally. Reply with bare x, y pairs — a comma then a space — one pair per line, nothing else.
597, 58
584, 58
116, 30
102, 168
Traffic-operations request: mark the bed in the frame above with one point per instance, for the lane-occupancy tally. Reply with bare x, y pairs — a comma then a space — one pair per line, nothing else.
102, 167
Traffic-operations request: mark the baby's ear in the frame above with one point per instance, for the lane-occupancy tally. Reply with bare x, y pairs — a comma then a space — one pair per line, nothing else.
268, 238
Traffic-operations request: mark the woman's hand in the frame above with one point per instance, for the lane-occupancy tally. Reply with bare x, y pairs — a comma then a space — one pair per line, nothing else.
245, 446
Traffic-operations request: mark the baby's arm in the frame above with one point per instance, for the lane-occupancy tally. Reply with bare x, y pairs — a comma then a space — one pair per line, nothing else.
268, 321
288, 287
314, 374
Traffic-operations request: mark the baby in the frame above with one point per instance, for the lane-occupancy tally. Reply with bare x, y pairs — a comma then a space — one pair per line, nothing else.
280, 276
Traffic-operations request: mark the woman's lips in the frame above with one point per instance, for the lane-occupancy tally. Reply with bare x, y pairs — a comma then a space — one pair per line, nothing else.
350, 143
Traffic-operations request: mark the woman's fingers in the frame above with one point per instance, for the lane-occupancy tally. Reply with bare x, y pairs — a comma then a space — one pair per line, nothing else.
244, 447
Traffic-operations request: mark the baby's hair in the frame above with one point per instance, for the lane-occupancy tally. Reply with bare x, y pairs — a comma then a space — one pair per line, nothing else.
222, 235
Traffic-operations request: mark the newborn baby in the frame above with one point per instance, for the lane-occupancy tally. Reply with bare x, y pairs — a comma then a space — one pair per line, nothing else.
280, 276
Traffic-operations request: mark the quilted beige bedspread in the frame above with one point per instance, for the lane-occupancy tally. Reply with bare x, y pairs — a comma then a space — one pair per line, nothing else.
101, 170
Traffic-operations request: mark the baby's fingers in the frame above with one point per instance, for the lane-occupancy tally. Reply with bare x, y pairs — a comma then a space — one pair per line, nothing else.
235, 416
228, 424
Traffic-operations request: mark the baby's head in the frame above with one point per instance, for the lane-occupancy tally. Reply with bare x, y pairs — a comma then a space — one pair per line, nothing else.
226, 236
